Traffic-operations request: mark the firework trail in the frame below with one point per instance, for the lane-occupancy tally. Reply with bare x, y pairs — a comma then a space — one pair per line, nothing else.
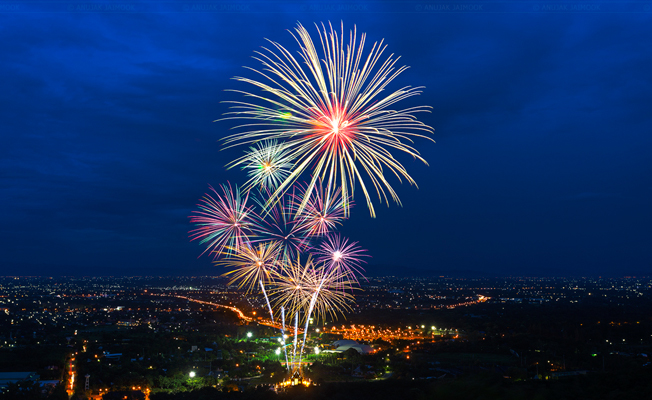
333, 114
283, 337
312, 290
224, 221
294, 346
331, 292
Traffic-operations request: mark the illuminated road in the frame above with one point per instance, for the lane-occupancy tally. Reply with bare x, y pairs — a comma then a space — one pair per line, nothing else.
239, 312
70, 385
370, 333
241, 315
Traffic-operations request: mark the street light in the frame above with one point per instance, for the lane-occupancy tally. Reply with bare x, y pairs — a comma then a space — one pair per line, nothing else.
249, 334
316, 350
278, 351
192, 374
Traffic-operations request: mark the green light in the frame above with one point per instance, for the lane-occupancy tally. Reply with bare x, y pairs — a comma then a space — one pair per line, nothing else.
286, 115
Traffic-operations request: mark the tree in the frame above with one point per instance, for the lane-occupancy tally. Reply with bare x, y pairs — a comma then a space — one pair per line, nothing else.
22, 391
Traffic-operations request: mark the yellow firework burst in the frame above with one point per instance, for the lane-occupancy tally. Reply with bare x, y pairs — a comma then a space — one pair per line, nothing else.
306, 288
333, 113
253, 264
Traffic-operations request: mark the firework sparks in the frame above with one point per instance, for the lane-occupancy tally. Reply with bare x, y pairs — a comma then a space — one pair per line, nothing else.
332, 298
341, 257
224, 221
293, 286
324, 209
331, 116
284, 228
308, 287
267, 165
253, 264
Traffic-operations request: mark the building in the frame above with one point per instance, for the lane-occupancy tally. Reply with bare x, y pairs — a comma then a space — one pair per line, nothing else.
340, 346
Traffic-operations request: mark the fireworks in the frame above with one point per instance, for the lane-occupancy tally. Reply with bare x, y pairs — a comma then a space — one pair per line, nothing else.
332, 116
332, 298
341, 257
293, 287
309, 286
326, 115
253, 264
224, 221
281, 226
323, 211
267, 165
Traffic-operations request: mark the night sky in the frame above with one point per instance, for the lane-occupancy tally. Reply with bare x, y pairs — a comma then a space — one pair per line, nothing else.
542, 117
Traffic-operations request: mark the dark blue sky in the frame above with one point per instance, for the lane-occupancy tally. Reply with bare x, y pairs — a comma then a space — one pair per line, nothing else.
543, 124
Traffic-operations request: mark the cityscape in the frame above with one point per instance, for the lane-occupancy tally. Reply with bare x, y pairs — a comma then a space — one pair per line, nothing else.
328, 200
151, 337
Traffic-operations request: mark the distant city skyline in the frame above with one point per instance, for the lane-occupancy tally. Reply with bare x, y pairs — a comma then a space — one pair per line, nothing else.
541, 165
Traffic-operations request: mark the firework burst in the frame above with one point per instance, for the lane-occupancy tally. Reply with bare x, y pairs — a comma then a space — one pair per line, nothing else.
253, 264
267, 165
294, 285
280, 225
332, 298
308, 287
341, 257
323, 211
329, 109
224, 221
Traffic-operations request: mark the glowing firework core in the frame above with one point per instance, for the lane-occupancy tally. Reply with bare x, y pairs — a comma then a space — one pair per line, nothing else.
337, 256
336, 126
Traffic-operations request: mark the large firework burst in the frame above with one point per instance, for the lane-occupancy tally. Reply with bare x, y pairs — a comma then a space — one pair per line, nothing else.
330, 111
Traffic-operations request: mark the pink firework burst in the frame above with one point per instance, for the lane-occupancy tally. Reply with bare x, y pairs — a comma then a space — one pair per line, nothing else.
224, 221
341, 257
